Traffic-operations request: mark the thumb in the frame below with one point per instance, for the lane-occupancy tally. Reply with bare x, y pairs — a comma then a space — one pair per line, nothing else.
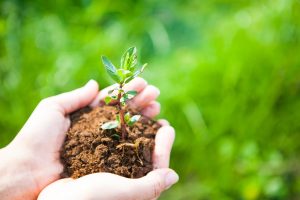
151, 186
45, 116
71, 101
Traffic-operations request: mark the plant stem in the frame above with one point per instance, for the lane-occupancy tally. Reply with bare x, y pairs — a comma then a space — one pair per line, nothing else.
121, 113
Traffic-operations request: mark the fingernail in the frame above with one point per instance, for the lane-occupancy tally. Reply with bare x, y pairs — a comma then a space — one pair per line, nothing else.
171, 178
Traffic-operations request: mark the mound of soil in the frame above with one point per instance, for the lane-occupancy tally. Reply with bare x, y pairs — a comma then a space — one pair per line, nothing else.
90, 149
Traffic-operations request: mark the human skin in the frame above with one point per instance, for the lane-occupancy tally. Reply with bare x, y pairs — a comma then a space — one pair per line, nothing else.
30, 165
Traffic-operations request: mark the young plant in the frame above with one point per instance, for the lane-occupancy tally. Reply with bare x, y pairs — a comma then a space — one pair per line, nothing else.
127, 71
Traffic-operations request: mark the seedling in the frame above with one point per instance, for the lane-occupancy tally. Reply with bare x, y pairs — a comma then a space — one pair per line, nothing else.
127, 71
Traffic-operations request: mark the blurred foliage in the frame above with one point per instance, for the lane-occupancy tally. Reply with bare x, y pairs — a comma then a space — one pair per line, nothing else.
229, 74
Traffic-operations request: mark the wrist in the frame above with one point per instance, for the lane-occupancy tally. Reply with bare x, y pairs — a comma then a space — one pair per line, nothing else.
16, 181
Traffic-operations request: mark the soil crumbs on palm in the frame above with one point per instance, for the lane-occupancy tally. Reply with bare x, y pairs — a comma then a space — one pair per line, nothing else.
90, 149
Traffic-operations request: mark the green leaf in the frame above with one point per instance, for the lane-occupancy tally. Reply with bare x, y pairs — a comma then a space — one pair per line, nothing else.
129, 59
129, 79
123, 74
124, 59
133, 119
114, 97
110, 125
107, 99
115, 136
143, 67
123, 99
112, 90
110, 68
138, 72
130, 94
127, 117
126, 97
118, 118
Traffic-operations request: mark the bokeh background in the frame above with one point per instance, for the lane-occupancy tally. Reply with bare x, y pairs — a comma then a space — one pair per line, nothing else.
229, 74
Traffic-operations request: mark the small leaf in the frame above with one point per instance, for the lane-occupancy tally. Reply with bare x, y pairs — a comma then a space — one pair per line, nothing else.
110, 68
110, 125
123, 100
127, 117
143, 68
129, 59
118, 118
124, 59
137, 73
129, 79
133, 119
115, 136
126, 97
130, 94
110, 91
107, 99
123, 74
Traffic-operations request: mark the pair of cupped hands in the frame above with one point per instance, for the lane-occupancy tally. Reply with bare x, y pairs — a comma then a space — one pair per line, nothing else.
30, 165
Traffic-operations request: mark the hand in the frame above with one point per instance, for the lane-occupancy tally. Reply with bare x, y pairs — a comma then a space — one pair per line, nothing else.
34, 153
110, 186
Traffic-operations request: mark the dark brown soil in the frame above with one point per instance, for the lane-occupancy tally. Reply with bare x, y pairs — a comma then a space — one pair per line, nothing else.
89, 149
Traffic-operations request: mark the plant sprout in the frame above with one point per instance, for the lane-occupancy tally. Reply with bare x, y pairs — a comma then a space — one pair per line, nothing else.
127, 71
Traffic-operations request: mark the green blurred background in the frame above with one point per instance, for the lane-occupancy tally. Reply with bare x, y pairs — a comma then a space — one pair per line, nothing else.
229, 74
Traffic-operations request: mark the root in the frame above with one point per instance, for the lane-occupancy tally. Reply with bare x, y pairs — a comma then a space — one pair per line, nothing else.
136, 149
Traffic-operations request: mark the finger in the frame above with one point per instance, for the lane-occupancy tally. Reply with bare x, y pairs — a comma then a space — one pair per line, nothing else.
102, 94
152, 109
150, 93
151, 185
138, 84
163, 144
88, 187
163, 122
76, 99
